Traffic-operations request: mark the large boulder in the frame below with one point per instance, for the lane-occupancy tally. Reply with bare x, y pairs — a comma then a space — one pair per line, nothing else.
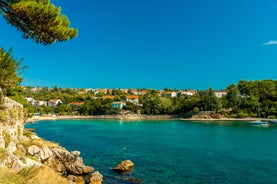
18, 163
68, 162
33, 150
43, 154
124, 166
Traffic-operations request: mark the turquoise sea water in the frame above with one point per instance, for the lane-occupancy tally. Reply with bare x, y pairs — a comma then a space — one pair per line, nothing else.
171, 151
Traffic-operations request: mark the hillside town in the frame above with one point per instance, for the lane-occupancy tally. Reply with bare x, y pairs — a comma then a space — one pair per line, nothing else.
118, 97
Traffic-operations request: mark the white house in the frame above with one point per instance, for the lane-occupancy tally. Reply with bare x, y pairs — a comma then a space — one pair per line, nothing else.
42, 103
119, 105
171, 94
188, 92
34, 102
132, 99
220, 94
30, 100
54, 102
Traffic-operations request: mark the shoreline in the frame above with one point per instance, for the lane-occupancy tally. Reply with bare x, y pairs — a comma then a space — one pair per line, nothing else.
135, 117
103, 117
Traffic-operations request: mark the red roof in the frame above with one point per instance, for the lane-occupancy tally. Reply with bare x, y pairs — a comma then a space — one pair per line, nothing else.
132, 96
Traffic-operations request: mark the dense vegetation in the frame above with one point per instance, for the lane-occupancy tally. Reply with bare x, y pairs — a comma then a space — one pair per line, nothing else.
39, 20
246, 99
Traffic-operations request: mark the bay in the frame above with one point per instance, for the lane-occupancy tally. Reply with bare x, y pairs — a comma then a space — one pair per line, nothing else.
170, 151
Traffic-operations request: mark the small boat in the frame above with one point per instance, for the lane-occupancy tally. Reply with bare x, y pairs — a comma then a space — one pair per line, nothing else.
258, 122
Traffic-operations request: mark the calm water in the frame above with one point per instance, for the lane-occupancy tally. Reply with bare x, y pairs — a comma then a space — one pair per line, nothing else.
171, 151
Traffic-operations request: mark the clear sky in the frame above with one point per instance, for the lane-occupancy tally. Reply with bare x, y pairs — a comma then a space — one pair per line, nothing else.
154, 44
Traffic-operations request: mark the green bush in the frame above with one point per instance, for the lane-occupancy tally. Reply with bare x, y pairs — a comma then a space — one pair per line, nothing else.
242, 114
3, 153
27, 133
3, 115
13, 113
7, 138
271, 117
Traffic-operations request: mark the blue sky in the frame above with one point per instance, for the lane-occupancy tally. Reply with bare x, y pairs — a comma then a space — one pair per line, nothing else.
154, 44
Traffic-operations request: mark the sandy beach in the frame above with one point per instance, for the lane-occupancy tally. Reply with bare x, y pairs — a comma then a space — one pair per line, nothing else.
135, 117
127, 117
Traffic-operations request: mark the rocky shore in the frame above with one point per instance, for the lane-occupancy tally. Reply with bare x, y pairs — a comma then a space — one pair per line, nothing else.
26, 158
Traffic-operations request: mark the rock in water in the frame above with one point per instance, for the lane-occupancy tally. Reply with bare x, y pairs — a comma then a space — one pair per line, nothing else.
68, 162
96, 178
124, 166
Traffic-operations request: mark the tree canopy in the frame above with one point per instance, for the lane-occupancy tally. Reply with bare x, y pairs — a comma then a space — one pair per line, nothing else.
9, 71
39, 20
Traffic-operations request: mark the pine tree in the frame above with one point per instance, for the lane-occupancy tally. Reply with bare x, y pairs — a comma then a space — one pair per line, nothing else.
9, 71
38, 19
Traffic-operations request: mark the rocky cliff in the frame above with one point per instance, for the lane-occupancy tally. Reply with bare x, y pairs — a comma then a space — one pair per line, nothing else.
32, 159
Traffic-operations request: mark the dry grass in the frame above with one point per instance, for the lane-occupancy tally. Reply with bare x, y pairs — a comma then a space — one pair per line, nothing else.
42, 175
39, 142
34, 175
10, 177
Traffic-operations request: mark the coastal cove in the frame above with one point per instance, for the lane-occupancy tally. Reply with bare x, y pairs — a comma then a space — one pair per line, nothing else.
170, 151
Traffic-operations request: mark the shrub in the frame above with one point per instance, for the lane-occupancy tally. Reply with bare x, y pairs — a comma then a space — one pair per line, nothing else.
13, 113
27, 133
3, 115
242, 114
196, 110
3, 153
271, 117
7, 138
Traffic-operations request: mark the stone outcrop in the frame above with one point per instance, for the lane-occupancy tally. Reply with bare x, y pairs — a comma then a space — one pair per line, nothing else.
17, 163
61, 160
124, 166
68, 162
11, 124
19, 151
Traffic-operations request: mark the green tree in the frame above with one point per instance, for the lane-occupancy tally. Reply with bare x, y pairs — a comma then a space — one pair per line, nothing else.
208, 100
38, 19
150, 103
233, 95
9, 71
258, 96
63, 109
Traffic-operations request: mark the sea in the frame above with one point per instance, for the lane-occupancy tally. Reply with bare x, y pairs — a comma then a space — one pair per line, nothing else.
170, 151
